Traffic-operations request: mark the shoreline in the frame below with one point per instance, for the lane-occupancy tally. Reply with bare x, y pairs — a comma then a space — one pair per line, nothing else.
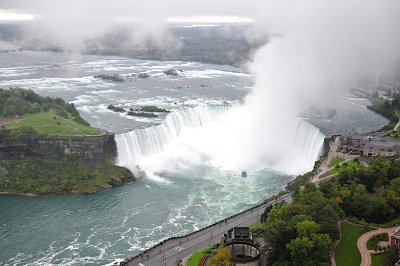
75, 192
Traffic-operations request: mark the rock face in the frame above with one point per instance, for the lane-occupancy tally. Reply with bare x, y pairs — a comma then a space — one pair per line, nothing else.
143, 75
111, 78
171, 72
91, 149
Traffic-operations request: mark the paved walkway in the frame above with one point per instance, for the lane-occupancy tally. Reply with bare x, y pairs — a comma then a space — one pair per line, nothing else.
324, 167
362, 244
171, 251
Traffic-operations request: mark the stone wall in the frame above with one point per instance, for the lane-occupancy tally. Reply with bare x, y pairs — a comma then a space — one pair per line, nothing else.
91, 149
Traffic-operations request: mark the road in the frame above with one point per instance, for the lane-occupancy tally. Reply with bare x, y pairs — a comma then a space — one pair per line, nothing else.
362, 244
171, 251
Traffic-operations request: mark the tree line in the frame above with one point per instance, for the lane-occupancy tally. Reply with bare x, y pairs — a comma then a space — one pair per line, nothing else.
19, 101
302, 232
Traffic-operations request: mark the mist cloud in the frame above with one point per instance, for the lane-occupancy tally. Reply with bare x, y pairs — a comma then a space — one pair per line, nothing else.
317, 49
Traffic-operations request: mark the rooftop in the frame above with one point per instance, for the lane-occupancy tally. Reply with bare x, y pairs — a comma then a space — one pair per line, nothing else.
382, 141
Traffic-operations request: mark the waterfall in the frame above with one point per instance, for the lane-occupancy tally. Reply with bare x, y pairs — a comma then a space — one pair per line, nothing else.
133, 145
309, 140
298, 154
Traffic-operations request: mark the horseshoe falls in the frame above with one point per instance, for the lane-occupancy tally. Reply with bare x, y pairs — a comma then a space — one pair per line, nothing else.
199, 133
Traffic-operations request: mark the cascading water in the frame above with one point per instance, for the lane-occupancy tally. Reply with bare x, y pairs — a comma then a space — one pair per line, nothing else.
137, 143
302, 147
309, 139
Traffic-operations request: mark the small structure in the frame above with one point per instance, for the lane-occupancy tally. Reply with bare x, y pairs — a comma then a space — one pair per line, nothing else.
395, 238
371, 145
244, 174
242, 249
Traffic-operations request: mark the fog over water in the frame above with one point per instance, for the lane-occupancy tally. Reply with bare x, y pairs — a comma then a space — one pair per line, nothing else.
195, 190
222, 121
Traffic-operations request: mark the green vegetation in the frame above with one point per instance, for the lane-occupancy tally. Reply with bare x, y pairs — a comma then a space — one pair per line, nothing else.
387, 108
237, 65
300, 233
346, 253
42, 168
145, 111
371, 194
48, 123
345, 166
221, 258
24, 134
391, 222
17, 102
365, 194
335, 161
116, 109
46, 116
389, 258
373, 242
58, 175
151, 108
195, 257
142, 114
111, 78
377, 259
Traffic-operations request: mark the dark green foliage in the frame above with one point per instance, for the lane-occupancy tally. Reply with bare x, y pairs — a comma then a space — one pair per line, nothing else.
369, 193
18, 102
142, 114
151, 108
391, 256
26, 135
300, 233
111, 78
57, 175
116, 109
386, 108
372, 243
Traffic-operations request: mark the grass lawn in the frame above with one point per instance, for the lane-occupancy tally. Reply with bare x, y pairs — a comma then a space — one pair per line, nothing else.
350, 164
377, 259
335, 160
48, 123
346, 253
194, 259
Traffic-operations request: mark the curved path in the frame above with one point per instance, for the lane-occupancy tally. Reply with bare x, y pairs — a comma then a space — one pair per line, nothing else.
362, 244
172, 250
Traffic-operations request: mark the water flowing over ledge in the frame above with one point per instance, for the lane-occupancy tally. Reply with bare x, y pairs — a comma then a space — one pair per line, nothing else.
305, 142
133, 145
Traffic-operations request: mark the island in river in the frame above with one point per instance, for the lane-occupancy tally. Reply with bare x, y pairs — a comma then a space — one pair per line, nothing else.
47, 148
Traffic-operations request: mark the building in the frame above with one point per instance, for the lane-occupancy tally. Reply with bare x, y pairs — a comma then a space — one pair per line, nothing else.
242, 249
395, 238
371, 145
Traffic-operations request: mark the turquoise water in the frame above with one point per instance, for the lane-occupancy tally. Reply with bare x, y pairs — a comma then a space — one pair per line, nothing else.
121, 222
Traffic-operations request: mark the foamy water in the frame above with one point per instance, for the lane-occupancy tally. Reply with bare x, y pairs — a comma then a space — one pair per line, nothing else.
197, 184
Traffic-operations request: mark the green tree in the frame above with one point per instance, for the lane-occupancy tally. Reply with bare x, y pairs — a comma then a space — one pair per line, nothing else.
221, 258
307, 228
